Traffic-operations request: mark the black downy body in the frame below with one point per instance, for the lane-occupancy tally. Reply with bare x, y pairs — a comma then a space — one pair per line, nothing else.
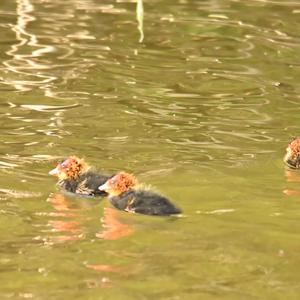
144, 202
86, 183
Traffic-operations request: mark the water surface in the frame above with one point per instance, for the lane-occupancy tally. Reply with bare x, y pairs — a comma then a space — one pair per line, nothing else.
202, 109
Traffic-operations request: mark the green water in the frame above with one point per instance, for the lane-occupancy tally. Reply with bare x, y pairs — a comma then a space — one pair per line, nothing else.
202, 110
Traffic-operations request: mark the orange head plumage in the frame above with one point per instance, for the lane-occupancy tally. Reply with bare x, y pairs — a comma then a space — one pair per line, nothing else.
72, 167
294, 146
118, 184
292, 156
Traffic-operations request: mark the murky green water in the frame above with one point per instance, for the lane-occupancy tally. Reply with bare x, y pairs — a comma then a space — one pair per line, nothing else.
202, 109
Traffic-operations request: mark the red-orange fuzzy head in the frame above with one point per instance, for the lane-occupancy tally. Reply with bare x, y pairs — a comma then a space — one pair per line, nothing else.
69, 168
294, 145
292, 156
118, 184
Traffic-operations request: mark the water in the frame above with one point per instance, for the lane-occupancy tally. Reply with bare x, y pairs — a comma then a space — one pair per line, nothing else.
202, 110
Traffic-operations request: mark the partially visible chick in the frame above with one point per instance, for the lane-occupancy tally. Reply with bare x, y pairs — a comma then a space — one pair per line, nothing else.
77, 177
124, 194
292, 156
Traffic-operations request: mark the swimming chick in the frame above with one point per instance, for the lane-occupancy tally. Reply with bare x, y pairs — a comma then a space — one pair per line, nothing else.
292, 156
124, 194
77, 177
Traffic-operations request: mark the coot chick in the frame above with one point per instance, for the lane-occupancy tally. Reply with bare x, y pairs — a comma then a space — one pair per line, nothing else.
125, 194
292, 156
77, 177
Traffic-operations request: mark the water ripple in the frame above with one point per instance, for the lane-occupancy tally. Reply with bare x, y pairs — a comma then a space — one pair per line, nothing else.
49, 108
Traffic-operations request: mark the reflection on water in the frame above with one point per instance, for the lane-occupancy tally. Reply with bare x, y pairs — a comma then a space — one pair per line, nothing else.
292, 176
202, 107
70, 225
113, 228
140, 18
69, 221
25, 68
